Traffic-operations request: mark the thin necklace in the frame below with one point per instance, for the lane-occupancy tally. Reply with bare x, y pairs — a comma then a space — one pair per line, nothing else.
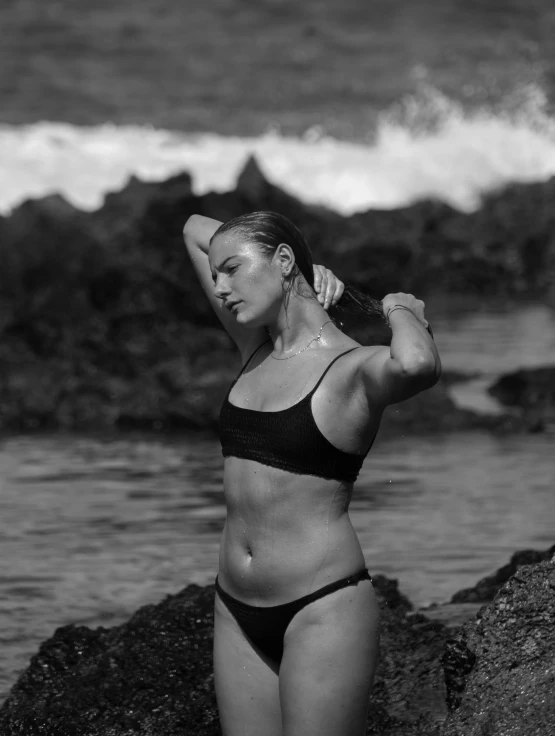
309, 344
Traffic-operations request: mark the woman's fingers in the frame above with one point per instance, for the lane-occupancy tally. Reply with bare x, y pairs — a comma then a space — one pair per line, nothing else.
339, 289
317, 278
334, 290
320, 282
327, 286
322, 295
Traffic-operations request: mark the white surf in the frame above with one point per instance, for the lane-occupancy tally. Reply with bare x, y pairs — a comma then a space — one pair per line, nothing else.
457, 159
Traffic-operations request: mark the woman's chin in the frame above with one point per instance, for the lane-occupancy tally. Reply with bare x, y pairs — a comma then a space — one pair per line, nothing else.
244, 319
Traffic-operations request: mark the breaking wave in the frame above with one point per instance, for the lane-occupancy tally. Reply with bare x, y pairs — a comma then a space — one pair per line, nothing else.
425, 147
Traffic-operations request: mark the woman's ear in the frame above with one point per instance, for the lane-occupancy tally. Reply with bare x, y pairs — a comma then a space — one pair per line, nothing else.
286, 258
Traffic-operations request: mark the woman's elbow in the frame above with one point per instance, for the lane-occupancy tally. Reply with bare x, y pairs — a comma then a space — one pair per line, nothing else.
424, 367
191, 223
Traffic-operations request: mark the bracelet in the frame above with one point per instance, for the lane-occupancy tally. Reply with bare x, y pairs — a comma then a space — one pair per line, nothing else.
402, 306
398, 306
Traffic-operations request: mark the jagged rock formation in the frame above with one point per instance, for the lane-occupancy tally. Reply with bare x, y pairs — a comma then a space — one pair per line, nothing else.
500, 669
152, 676
533, 391
103, 322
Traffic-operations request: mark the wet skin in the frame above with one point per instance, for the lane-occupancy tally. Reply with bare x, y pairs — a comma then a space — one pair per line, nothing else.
287, 534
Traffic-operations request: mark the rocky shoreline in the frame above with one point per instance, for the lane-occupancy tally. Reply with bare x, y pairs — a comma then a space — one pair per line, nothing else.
152, 676
103, 324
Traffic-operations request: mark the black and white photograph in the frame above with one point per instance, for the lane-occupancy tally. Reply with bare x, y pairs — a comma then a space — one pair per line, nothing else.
277, 368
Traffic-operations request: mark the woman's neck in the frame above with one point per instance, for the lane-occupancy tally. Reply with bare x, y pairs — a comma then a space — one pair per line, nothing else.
302, 323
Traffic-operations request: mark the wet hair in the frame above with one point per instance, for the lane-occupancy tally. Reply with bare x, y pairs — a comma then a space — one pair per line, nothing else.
268, 230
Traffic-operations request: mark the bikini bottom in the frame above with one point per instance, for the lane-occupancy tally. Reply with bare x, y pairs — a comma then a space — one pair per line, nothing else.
265, 625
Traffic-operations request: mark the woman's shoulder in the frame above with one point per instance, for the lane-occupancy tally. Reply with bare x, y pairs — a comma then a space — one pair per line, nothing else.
361, 352
351, 354
360, 361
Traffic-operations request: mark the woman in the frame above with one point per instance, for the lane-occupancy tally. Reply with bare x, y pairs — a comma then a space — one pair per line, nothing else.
296, 617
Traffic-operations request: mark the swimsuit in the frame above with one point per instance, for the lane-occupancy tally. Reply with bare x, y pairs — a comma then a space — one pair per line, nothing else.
288, 439
265, 626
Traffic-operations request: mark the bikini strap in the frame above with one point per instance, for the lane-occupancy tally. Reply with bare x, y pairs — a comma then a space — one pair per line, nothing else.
329, 366
251, 357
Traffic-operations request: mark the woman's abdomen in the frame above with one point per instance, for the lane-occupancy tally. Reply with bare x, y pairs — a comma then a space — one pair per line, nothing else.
273, 558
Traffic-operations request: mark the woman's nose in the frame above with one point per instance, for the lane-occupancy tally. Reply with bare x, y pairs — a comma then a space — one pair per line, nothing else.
221, 288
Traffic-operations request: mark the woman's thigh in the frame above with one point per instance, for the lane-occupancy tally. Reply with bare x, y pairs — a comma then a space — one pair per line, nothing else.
247, 687
330, 657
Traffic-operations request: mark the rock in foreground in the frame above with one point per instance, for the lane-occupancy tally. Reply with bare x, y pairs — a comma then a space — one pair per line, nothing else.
500, 669
152, 676
487, 588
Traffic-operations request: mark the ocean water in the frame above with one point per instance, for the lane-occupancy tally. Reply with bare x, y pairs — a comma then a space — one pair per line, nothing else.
94, 527
345, 103
466, 157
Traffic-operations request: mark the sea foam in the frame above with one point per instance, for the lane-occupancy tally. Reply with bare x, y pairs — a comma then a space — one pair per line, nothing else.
457, 159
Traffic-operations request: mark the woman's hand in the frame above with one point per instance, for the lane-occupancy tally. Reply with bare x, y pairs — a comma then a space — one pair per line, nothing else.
405, 300
327, 286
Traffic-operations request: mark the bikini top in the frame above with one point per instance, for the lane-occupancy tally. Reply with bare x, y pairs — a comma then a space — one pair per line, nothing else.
288, 439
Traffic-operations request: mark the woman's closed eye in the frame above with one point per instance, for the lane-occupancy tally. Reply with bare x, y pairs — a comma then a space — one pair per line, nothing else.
230, 269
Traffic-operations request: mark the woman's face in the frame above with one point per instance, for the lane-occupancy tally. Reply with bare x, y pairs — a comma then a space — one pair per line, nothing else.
247, 282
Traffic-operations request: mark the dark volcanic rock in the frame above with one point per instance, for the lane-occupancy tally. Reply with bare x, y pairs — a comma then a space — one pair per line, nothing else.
487, 588
531, 389
122, 210
98, 309
255, 192
464, 605
390, 594
500, 670
153, 675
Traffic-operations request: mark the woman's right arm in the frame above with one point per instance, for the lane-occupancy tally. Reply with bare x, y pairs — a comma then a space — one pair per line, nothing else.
411, 364
197, 233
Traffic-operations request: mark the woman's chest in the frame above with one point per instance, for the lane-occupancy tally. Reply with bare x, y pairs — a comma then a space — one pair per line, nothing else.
296, 400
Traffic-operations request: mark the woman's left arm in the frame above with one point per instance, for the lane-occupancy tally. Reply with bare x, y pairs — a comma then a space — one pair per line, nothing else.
411, 363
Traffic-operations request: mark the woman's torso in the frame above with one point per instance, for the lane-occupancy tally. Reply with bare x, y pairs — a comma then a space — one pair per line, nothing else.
287, 534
